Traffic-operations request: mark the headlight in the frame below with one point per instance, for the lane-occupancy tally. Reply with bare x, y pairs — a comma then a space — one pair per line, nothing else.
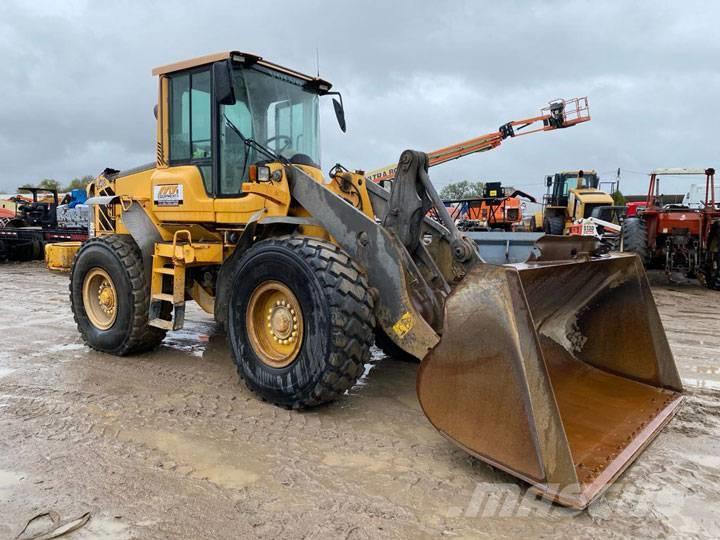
263, 174
259, 173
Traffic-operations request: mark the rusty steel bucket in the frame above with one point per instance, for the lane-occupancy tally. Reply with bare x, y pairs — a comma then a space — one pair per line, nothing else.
558, 373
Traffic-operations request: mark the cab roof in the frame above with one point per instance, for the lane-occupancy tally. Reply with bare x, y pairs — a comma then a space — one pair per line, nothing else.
585, 172
244, 59
678, 171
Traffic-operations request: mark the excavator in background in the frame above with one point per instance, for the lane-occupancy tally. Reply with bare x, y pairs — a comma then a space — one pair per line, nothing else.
556, 370
559, 114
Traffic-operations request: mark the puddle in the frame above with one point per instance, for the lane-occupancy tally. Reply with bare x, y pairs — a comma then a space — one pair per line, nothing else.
708, 384
5, 371
66, 347
8, 480
192, 339
362, 380
104, 528
358, 461
201, 458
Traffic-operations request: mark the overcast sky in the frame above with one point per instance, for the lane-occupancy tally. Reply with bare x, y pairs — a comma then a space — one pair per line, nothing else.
78, 93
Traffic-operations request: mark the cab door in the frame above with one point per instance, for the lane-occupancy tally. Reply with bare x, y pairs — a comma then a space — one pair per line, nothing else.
232, 206
183, 192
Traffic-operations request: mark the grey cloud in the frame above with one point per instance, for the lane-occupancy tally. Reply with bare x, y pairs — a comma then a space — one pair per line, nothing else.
78, 94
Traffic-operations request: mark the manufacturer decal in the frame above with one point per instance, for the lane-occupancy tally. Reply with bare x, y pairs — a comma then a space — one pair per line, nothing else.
168, 195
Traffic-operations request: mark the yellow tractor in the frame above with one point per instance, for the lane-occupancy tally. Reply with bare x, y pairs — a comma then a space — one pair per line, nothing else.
571, 196
556, 369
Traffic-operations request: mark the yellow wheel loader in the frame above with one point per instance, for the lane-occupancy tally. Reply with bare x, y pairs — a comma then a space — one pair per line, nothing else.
556, 369
571, 196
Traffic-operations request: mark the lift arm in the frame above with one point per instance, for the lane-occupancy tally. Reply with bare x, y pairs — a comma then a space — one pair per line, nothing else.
559, 114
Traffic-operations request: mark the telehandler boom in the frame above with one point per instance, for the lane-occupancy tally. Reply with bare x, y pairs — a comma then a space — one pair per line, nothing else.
558, 114
556, 369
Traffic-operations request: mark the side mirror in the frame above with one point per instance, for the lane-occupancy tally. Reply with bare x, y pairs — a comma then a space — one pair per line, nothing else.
548, 181
340, 113
222, 83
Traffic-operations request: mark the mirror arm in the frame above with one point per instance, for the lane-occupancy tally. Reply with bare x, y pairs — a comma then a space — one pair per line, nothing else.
338, 94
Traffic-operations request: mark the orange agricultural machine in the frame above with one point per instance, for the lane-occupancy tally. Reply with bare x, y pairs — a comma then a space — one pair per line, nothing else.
674, 236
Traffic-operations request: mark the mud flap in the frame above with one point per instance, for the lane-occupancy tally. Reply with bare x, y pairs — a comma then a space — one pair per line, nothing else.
558, 373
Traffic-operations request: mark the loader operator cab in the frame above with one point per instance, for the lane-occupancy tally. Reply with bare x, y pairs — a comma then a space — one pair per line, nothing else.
575, 192
224, 116
564, 183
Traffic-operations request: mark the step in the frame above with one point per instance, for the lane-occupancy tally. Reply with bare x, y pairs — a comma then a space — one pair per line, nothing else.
168, 271
161, 323
164, 297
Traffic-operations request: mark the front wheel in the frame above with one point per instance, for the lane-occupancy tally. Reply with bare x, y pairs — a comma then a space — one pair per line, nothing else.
300, 321
554, 225
110, 297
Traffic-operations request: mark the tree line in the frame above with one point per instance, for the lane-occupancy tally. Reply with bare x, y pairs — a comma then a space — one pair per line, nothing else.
462, 190
50, 183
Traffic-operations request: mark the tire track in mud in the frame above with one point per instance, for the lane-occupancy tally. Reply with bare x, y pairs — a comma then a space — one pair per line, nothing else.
72, 417
171, 442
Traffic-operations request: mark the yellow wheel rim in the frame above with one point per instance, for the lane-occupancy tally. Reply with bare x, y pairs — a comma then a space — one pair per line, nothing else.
274, 324
100, 298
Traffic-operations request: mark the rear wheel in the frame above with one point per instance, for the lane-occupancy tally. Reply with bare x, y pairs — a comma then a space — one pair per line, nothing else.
635, 238
554, 225
300, 321
110, 297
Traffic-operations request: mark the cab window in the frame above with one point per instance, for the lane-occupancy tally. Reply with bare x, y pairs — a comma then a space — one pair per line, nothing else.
235, 155
274, 110
190, 121
570, 183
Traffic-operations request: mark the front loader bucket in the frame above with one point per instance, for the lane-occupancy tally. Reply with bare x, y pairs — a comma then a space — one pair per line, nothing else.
558, 373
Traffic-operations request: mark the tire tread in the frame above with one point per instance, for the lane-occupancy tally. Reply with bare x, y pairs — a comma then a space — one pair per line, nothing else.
141, 337
351, 318
635, 238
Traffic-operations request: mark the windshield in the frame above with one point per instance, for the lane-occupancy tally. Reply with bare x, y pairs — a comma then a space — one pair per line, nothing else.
590, 180
276, 111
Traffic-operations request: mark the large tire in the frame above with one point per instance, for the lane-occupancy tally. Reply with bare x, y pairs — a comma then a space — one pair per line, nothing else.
119, 257
554, 225
712, 265
21, 252
635, 238
336, 321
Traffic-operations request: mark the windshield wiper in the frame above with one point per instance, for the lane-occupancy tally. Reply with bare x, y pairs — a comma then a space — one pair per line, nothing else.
252, 143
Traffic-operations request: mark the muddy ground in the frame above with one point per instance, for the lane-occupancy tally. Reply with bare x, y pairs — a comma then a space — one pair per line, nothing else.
170, 445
